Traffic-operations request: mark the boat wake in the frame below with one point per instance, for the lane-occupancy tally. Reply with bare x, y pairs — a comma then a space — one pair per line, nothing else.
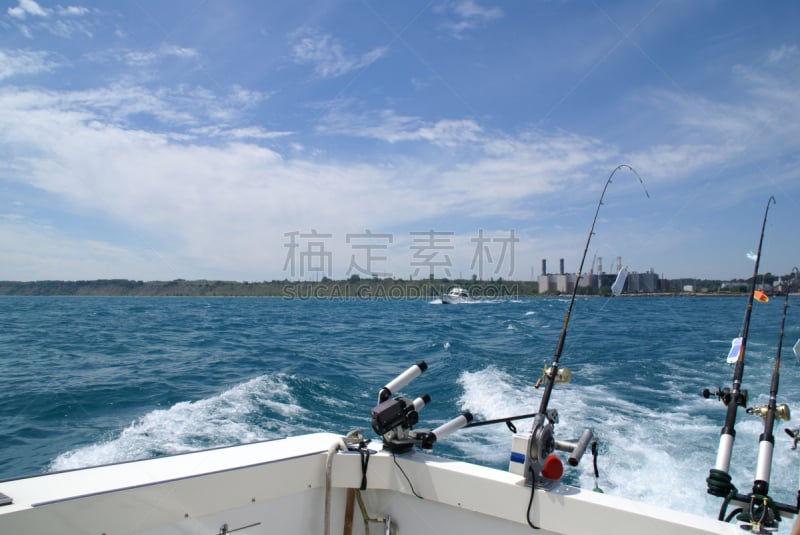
258, 409
645, 454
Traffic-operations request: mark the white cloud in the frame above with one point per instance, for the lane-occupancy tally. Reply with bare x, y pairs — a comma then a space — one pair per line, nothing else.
63, 22
679, 163
34, 251
211, 203
27, 7
142, 58
328, 56
533, 166
226, 209
713, 136
122, 103
137, 57
386, 125
119, 103
246, 97
473, 11
212, 189
72, 11
467, 15
178, 51
782, 53
20, 62
251, 132
255, 133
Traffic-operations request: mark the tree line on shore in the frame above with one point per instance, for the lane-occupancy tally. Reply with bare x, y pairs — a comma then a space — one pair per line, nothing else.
355, 287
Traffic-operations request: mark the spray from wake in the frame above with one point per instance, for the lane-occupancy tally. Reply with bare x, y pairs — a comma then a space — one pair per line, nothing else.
645, 455
258, 409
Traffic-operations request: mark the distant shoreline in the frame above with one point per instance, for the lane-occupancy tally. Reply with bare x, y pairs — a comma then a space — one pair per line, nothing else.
353, 288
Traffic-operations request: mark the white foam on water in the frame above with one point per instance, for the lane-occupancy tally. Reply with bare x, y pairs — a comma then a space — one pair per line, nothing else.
191, 425
647, 455
491, 393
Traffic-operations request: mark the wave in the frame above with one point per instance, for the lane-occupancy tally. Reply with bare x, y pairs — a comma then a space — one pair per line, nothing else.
232, 417
636, 441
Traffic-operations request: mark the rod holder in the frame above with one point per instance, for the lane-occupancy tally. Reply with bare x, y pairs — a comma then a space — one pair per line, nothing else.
401, 381
578, 448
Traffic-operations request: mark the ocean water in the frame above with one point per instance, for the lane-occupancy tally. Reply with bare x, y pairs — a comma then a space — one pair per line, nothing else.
87, 381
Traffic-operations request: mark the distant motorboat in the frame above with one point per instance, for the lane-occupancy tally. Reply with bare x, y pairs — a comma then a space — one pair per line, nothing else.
456, 295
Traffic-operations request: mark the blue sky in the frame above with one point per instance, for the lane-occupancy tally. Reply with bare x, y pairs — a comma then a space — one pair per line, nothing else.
267, 140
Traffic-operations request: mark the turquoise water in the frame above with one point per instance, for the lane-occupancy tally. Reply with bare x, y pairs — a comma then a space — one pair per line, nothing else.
87, 381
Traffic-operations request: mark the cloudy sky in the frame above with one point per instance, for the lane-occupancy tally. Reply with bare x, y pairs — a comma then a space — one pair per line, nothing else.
248, 140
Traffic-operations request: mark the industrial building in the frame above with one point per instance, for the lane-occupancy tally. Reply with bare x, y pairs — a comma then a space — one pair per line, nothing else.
562, 282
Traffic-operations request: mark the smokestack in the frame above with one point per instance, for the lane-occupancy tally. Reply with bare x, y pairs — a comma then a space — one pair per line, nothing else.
561, 266
544, 266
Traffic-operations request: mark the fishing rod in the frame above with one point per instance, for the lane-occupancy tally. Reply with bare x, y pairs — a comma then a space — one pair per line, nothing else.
719, 481
553, 370
763, 512
542, 441
760, 513
767, 439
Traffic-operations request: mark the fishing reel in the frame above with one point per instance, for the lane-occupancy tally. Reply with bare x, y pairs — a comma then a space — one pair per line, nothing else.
725, 395
532, 454
541, 446
782, 411
563, 375
393, 419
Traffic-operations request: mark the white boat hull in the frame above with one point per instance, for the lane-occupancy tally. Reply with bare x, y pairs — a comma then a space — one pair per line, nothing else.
455, 300
280, 486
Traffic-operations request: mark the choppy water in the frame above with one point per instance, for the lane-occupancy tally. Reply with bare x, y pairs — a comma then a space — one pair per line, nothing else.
86, 381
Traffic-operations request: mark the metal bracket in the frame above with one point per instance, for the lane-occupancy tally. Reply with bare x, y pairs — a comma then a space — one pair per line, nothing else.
224, 530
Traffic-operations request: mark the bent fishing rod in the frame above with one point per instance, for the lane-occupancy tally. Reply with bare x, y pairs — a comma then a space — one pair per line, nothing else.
719, 481
542, 440
553, 370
